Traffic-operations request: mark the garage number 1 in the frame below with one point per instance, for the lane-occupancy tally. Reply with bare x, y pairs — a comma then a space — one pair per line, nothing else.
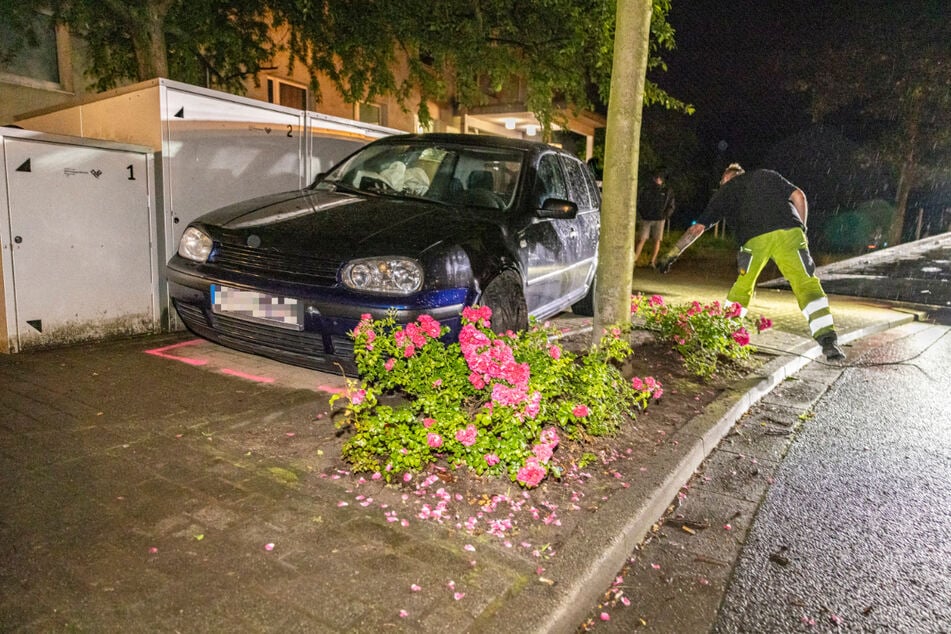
131, 169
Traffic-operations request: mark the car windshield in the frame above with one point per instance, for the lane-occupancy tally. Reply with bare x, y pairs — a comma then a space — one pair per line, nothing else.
445, 173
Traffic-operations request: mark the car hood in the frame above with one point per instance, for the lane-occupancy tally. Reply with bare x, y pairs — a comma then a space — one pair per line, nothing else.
343, 224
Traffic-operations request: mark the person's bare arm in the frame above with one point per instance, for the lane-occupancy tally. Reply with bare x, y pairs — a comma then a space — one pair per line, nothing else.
798, 199
689, 237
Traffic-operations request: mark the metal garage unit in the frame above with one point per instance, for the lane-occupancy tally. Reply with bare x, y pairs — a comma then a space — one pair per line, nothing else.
212, 148
78, 240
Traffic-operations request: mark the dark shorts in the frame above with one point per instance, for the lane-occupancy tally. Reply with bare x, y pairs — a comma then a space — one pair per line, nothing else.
653, 229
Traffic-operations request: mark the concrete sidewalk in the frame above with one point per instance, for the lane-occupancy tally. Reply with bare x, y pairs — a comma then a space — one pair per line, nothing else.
164, 484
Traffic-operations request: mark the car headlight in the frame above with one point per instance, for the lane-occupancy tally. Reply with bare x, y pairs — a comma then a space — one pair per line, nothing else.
392, 276
194, 245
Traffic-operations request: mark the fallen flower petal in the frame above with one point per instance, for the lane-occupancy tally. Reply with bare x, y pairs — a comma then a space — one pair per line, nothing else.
458, 595
403, 614
415, 588
269, 546
605, 616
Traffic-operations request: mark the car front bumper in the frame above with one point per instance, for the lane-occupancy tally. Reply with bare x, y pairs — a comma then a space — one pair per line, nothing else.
328, 315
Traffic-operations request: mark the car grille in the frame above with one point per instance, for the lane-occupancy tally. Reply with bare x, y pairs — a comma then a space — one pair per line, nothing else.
298, 342
306, 343
192, 315
320, 271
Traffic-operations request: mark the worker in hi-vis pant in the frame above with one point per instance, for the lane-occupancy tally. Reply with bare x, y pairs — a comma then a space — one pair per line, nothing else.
769, 216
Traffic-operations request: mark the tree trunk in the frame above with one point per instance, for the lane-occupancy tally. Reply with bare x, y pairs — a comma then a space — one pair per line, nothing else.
901, 202
906, 179
622, 145
148, 38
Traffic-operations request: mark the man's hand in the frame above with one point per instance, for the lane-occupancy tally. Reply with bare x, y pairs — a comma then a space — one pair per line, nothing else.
666, 263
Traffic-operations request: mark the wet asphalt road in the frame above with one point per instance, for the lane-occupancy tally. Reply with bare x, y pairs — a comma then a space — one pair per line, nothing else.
853, 535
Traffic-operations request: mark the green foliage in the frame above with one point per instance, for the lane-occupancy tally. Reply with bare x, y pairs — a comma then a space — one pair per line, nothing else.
892, 83
702, 334
495, 403
560, 49
853, 230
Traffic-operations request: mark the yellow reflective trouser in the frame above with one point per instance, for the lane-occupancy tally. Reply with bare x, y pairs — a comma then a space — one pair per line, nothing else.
789, 249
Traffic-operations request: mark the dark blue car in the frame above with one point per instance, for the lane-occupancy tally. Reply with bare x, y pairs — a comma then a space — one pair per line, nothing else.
416, 224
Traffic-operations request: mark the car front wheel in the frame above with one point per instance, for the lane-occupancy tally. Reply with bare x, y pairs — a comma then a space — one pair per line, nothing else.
505, 297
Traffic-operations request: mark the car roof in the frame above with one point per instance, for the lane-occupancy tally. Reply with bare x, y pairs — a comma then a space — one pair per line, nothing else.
478, 140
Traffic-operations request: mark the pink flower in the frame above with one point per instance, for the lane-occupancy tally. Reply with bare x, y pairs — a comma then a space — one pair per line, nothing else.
358, 397
437, 383
549, 436
467, 436
534, 405
637, 384
476, 314
531, 474
741, 336
543, 452
389, 364
476, 380
580, 411
491, 459
658, 392
409, 351
428, 422
434, 440
656, 300
554, 352
764, 324
429, 325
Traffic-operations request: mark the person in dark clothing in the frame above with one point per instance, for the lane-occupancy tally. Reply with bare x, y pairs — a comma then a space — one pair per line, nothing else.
769, 216
655, 205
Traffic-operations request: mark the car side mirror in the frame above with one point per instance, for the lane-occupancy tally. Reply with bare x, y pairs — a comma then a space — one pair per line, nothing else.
558, 209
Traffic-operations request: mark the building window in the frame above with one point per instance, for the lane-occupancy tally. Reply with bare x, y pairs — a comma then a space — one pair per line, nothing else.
30, 61
287, 94
369, 113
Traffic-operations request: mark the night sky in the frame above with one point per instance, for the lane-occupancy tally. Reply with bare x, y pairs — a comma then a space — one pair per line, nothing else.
732, 59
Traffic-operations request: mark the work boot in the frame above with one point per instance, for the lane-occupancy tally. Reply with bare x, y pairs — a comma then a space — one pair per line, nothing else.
830, 347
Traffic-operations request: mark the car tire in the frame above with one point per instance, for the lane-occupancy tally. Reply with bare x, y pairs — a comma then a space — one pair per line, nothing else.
585, 305
505, 297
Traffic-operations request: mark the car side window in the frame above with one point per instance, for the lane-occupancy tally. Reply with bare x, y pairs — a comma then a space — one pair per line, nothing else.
578, 184
550, 182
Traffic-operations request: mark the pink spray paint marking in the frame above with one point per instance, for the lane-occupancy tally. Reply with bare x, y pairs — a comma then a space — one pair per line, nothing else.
245, 375
162, 352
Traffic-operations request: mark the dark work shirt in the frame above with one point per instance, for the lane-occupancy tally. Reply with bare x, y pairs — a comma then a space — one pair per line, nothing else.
753, 203
655, 202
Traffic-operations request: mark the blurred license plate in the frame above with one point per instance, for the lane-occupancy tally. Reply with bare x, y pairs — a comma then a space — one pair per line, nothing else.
254, 306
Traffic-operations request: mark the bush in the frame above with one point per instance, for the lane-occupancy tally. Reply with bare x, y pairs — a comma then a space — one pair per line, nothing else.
702, 334
496, 403
500, 404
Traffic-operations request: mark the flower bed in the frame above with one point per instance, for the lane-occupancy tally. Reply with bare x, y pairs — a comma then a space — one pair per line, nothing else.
502, 404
